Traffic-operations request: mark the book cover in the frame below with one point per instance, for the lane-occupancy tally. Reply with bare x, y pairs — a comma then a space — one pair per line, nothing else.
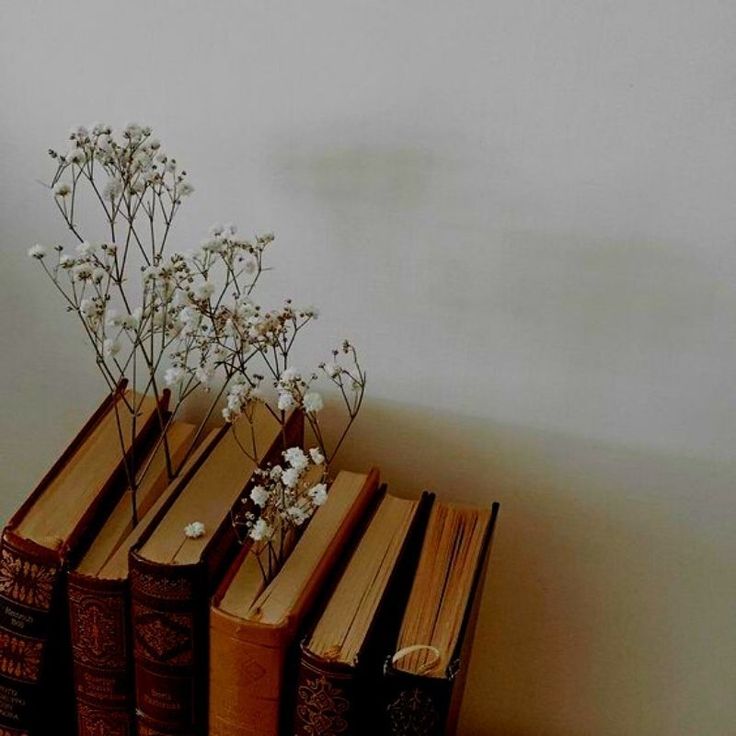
170, 615
99, 600
36, 696
253, 663
339, 699
419, 705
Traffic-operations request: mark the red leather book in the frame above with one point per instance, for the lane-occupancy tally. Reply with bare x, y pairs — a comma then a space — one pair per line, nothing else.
99, 598
39, 543
173, 578
341, 662
415, 704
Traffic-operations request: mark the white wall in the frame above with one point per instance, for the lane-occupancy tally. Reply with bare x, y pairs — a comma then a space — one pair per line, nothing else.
523, 212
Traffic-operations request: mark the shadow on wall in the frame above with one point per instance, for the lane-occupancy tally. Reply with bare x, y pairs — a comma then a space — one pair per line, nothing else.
603, 601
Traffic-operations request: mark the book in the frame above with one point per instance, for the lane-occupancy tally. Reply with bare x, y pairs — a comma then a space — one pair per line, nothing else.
425, 675
173, 577
254, 628
342, 655
99, 597
39, 543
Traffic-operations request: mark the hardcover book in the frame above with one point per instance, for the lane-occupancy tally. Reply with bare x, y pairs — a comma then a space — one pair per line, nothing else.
173, 578
342, 656
99, 598
39, 543
425, 676
254, 628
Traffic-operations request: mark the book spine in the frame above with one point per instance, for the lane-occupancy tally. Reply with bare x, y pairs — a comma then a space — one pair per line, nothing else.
246, 680
169, 622
415, 706
31, 646
102, 655
326, 699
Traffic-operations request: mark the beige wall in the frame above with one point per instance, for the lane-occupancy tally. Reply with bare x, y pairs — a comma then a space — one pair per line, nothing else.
523, 211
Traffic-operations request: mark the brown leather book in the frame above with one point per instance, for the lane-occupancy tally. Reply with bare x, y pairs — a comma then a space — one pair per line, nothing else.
173, 578
39, 543
99, 598
424, 677
254, 630
342, 654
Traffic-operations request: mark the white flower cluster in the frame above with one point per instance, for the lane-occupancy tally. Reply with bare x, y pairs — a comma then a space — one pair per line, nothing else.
189, 320
283, 497
133, 160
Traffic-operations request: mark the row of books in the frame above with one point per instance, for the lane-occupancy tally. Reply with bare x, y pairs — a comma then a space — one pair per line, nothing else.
114, 629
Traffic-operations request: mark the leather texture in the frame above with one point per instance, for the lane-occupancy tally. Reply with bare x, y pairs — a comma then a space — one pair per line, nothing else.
36, 694
170, 620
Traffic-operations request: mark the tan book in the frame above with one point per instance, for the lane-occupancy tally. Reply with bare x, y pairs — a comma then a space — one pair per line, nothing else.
253, 628
173, 575
342, 655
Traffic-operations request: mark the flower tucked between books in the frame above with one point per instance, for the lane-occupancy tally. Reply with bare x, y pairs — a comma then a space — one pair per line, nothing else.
189, 320
195, 530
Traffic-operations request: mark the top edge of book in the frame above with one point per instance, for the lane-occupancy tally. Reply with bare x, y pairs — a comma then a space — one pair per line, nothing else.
210, 489
244, 599
56, 511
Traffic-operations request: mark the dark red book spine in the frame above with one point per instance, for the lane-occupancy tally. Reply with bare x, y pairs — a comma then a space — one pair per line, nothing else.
31, 618
102, 653
170, 621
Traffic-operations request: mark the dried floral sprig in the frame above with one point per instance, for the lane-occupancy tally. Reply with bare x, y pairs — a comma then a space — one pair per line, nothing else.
193, 318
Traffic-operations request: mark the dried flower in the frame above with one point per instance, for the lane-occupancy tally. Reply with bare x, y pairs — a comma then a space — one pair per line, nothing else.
195, 530
259, 495
259, 531
318, 494
312, 402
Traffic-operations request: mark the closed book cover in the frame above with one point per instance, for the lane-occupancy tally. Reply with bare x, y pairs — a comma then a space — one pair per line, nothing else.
99, 597
42, 539
173, 578
254, 650
339, 674
416, 704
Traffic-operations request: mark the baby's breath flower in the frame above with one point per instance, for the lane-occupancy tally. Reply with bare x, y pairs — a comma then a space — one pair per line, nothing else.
259, 495
204, 291
317, 457
286, 401
296, 458
289, 375
37, 251
113, 188
260, 531
297, 515
290, 477
62, 189
82, 272
195, 530
111, 347
173, 375
85, 248
318, 494
312, 402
